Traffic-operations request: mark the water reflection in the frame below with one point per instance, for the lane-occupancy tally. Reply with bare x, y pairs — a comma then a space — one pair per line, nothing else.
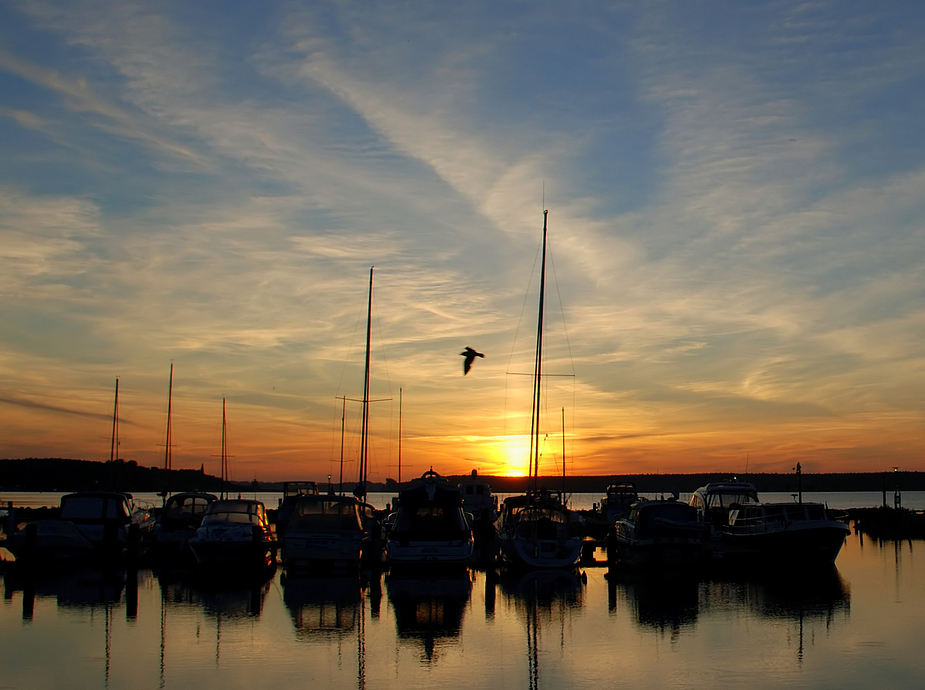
429, 610
322, 607
84, 588
542, 598
664, 602
837, 628
218, 598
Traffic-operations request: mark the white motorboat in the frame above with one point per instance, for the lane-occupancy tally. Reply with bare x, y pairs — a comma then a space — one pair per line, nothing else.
235, 534
430, 527
324, 530
745, 530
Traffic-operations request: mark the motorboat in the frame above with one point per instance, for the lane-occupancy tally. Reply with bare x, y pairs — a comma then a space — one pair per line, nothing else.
91, 524
745, 530
324, 530
178, 521
430, 528
536, 530
617, 501
659, 532
481, 507
292, 493
234, 534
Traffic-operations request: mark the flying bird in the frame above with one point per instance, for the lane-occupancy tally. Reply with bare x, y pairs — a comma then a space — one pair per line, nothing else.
470, 356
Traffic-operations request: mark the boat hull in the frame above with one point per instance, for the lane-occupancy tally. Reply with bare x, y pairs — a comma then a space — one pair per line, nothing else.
552, 554
429, 555
811, 545
321, 549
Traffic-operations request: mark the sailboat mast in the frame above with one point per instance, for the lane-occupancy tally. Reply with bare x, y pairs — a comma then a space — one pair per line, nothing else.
343, 422
224, 451
168, 457
538, 368
364, 441
114, 444
563, 451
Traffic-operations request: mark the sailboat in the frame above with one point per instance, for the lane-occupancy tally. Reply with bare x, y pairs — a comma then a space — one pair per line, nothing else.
331, 530
99, 525
536, 529
235, 534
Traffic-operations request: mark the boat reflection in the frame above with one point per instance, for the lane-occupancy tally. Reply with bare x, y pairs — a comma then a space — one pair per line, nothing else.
81, 588
322, 607
429, 610
817, 595
218, 598
664, 602
670, 603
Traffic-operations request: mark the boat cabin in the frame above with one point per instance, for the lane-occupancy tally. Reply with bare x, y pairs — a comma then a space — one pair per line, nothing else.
714, 501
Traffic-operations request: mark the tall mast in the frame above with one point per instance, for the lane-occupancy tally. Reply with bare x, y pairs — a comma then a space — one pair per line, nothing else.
224, 451
168, 456
563, 451
114, 445
399, 435
364, 440
343, 421
538, 369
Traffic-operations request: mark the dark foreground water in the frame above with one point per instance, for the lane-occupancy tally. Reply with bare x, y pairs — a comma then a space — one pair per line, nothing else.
861, 626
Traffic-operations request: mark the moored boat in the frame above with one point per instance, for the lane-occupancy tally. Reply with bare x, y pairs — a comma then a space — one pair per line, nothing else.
235, 535
659, 533
430, 528
481, 507
179, 519
324, 530
745, 530
617, 501
292, 494
536, 530
91, 524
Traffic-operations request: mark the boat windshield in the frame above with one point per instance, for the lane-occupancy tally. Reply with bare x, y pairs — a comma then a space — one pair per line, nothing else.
186, 507
534, 513
725, 499
312, 515
430, 519
93, 508
234, 511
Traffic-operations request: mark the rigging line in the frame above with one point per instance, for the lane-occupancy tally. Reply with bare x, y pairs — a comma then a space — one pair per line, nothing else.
340, 382
523, 308
555, 279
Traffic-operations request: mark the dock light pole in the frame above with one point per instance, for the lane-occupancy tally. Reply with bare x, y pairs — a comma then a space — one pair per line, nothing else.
897, 494
799, 469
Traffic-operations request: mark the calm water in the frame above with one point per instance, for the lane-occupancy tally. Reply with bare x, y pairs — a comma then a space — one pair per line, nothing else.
841, 500
861, 626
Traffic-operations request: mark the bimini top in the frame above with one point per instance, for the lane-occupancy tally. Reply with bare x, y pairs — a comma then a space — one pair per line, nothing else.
724, 494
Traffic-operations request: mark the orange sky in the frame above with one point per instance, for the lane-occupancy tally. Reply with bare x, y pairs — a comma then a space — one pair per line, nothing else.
735, 233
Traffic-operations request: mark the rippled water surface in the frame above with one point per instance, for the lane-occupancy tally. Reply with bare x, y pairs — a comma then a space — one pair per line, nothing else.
860, 626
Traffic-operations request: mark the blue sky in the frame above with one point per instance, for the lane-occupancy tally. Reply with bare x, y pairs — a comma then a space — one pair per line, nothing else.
736, 231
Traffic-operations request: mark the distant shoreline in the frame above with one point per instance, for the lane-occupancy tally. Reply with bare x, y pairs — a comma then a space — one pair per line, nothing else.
60, 474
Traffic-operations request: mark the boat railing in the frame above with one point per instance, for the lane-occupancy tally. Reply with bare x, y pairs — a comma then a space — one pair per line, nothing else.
772, 516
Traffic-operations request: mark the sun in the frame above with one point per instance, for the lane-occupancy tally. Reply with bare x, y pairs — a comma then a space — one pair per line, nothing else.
506, 456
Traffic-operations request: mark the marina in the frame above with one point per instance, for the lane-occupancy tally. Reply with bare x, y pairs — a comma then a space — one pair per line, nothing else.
173, 627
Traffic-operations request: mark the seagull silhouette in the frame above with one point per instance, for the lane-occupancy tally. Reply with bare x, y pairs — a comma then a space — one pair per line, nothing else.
470, 356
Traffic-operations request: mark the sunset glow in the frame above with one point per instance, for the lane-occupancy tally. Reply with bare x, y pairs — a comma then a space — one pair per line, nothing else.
736, 240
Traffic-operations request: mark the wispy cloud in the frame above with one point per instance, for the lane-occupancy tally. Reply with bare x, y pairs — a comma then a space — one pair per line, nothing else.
735, 223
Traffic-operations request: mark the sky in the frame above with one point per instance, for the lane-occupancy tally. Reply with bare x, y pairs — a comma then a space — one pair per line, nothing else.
736, 234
